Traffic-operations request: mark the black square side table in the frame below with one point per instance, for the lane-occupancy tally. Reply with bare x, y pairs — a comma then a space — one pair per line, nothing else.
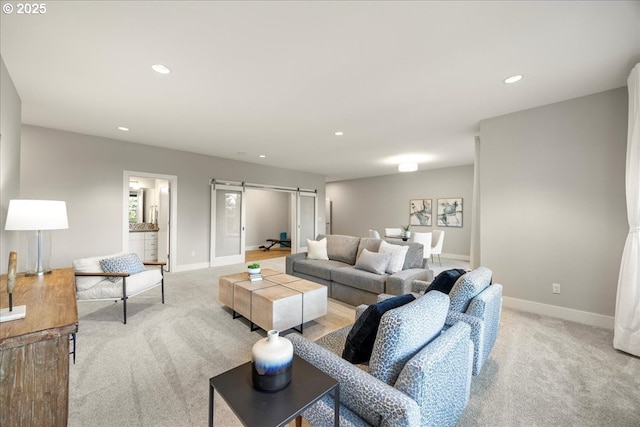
255, 408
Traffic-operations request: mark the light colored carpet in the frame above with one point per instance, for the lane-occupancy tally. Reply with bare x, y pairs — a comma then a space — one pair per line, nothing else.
155, 370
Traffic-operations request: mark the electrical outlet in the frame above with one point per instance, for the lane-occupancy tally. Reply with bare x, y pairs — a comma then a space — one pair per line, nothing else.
556, 288
193, 253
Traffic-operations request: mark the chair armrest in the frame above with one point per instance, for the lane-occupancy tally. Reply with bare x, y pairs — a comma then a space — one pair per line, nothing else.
477, 335
441, 369
290, 259
419, 286
400, 283
364, 394
101, 274
360, 309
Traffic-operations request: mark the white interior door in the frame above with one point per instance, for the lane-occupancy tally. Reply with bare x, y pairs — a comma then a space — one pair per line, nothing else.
306, 214
227, 224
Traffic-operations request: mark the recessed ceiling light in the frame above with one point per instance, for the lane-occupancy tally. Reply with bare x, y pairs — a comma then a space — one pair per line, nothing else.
339, 133
408, 167
123, 129
513, 79
161, 69
262, 156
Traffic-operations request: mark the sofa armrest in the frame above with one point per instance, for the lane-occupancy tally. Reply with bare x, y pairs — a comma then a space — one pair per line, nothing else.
400, 283
290, 259
370, 398
441, 369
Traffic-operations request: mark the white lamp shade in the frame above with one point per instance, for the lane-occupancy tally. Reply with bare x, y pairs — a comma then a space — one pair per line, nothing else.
36, 215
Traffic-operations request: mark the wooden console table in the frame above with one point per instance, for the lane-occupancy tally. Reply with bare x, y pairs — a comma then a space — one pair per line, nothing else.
34, 351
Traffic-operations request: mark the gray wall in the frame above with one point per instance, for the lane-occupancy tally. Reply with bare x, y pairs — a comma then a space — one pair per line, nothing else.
553, 206
10, 115
383, 201
268, 214
87, 172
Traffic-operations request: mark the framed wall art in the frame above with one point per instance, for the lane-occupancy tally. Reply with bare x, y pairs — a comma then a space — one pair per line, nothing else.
449, 212
420, 212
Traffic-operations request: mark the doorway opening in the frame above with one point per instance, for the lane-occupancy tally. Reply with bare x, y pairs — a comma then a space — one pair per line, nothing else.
150, 216
292, 210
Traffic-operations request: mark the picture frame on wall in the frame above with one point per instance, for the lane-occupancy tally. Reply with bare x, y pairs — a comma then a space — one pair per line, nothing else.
420, 212
449, 212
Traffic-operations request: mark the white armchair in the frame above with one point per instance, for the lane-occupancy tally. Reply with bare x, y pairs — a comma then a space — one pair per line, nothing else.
93, 283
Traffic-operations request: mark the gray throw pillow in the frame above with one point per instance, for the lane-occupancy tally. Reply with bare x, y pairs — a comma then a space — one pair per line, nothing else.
373, 262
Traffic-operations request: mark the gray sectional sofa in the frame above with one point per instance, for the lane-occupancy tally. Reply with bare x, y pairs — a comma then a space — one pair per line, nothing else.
354, 286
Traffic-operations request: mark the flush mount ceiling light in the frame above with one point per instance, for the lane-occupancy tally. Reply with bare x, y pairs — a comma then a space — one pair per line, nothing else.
123, 129
339, 133
407, 167
161, 69
262, 156
513, 79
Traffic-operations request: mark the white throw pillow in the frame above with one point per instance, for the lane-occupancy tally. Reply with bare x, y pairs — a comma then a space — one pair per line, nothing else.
398, 254
317, 249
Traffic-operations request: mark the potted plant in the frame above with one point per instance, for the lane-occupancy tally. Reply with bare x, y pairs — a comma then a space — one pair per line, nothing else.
407, 230
254, 268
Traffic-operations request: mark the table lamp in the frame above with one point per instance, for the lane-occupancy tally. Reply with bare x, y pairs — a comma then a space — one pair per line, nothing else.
37, 217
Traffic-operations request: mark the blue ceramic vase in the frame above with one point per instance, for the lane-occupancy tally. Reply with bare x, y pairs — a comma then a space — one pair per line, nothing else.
272, 358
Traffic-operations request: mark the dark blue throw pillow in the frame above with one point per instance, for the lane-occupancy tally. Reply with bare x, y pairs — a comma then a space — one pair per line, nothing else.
445, 281
362, 336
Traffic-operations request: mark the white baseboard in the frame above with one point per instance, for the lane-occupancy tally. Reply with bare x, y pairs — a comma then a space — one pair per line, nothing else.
456, 256
584, 317
189, 267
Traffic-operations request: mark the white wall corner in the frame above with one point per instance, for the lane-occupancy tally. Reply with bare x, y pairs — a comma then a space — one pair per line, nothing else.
584, 317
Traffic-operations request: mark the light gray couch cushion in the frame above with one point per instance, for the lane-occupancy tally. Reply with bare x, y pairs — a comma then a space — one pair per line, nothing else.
360, 279
414, 256
342, 248
373, 262
317, 268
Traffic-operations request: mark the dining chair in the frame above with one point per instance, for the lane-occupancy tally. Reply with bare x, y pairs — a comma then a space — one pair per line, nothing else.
425, 239
436, 244
393, 232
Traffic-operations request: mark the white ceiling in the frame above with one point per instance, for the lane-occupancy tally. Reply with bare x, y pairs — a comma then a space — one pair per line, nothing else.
279, 78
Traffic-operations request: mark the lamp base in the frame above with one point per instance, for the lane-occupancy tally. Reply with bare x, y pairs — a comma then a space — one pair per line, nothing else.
37, 273
18, 312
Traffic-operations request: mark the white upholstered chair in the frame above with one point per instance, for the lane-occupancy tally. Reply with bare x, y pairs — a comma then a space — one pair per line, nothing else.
393, 232
425, 239
374, 234
436, 244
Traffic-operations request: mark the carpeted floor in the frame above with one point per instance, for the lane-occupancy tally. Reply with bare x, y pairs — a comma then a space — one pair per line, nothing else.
154, 371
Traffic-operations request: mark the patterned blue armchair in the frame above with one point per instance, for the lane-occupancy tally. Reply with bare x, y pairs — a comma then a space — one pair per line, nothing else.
477, 302
418, 375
